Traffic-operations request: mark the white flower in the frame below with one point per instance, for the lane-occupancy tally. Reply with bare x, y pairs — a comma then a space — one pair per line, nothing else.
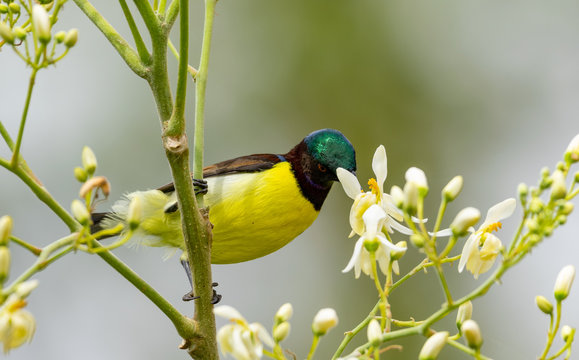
482, 247
242, 340
374, 219
376, 195
17, 325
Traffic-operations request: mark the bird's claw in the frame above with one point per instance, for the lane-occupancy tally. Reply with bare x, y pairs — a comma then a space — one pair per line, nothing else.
200, 186
214, 300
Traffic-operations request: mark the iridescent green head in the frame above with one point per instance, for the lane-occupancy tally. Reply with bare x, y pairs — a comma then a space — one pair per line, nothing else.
332, 150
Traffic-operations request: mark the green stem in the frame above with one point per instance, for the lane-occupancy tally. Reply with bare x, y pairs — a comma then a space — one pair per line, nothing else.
33, 249
176, 125
190, 68
552, 332
201, 86
350, 334
186, 327
314, 346
40, 262
141, 47
518, 233
149, 18
384, 321
439, 217
6, 136
128, 54
16, 150
467, 350
42, 194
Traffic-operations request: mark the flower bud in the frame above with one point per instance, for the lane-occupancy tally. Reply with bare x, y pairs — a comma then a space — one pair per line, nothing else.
433, 346
14, 7
558, 187
324, 320
24, 289
417, 176
89, 161
41, 23
134, 213
6, 33
80, 174
523, 191
397, 254
281, 331
536, 205
411, 194
71, 38
471, 332
284, 313
564, 282
80, 212
453, 188
567, 333
567, 208
572, 153
464, 313
5, 229
20, 33
3, 8
544, 305
4, 263
465, 218
417, 240
374, 332
397, 196
59, 37
97, 182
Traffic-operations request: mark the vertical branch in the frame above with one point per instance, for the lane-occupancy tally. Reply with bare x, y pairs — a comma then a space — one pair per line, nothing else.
200, 90
16, 150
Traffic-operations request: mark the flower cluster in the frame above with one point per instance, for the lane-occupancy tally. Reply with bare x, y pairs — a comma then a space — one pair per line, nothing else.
373, 216
36, 30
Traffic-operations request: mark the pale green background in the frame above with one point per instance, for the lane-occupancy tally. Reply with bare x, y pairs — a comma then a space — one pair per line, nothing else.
486, 89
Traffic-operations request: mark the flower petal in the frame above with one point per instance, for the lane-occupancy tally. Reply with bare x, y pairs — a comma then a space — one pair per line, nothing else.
380, 165
373, 219
262, 334
355, 255
349, 182
228, 312
388, 244
466, 251
499, 212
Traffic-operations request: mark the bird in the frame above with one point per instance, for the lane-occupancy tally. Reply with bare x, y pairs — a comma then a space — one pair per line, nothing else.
257, 203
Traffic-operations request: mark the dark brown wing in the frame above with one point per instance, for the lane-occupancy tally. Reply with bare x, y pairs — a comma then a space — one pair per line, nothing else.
242, 164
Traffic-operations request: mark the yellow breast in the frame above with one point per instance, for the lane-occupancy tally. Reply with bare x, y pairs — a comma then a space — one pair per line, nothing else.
255, 214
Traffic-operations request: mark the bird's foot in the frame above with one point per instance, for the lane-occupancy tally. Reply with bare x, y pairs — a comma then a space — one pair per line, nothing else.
214, 300
200, 186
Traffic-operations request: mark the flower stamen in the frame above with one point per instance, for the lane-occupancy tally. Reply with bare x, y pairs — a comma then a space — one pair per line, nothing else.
374, 188
493, 227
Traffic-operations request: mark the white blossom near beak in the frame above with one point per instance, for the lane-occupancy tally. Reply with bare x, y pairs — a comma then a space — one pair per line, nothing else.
482, 247
242, 340
374, 219
376, 196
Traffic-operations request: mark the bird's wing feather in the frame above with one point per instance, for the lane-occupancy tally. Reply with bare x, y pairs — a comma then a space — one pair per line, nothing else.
242, 164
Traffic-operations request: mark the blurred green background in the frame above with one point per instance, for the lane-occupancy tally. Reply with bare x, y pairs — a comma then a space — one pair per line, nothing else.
487, 90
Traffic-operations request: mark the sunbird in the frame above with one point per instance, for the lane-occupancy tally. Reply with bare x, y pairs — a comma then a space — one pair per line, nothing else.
257, 203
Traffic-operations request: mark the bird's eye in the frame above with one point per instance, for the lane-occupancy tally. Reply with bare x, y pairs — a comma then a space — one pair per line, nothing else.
322, 168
